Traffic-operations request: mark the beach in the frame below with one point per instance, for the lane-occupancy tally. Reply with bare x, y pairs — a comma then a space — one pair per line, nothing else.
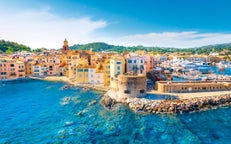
99, 87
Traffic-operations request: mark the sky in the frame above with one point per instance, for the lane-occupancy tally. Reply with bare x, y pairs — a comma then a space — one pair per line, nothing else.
164, 23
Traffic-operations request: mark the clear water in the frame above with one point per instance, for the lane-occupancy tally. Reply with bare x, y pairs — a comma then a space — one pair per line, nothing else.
31, 112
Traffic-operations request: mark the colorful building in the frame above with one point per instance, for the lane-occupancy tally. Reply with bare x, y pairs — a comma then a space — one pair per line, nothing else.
82, 73
135, 64
11, 69
117, 67
106, 68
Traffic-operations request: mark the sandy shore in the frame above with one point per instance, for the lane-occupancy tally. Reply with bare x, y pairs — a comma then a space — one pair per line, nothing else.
193, 94
99, 87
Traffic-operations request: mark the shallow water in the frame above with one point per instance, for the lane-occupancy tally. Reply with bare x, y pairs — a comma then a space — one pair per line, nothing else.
34, 111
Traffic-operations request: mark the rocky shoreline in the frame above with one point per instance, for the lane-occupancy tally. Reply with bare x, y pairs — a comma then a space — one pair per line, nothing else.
170, 106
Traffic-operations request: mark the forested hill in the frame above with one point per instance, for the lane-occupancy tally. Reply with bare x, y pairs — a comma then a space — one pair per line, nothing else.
100, 46
9, 47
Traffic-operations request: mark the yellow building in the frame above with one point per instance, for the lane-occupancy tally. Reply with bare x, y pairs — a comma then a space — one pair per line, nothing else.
28, 68
106, 68
82, 73
117, 67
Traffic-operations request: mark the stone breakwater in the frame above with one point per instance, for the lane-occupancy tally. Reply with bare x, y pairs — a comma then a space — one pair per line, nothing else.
171, 106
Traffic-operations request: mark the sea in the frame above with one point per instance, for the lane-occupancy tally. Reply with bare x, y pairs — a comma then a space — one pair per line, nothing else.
35, 111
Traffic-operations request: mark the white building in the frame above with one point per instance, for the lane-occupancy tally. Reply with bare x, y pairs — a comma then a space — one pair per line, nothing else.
136, 64
95, 77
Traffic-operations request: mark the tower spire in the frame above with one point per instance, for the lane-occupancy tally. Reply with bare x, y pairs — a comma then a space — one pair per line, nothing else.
65, 45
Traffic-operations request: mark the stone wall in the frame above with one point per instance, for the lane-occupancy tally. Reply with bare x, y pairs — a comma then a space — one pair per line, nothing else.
176, 87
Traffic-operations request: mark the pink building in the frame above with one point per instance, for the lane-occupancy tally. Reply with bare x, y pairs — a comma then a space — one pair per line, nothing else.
11, 69
148, 62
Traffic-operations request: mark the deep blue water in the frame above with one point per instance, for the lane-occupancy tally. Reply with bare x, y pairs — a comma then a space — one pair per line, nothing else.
31, 112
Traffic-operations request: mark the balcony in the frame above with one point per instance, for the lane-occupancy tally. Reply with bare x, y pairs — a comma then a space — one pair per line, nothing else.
12, 74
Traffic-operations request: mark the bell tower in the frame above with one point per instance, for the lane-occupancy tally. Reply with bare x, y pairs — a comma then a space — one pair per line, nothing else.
65, 46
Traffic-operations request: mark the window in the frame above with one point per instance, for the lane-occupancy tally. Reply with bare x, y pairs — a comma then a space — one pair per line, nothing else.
141, 61
80, 75
11, 65
141, 91
85, 70
129, 61
80, 70
118, 67
134, 61
118, 62
92, 75
126, 91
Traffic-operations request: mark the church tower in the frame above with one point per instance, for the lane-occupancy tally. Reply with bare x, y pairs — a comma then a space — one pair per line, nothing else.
65, 46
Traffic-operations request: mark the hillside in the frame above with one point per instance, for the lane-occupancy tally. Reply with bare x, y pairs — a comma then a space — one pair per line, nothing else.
9, 47
100, 46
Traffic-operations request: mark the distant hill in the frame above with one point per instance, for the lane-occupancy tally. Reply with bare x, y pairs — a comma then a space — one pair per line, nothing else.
9, 47
100, 46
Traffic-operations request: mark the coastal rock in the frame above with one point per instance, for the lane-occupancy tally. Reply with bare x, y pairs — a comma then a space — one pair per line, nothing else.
107, 102
171, 106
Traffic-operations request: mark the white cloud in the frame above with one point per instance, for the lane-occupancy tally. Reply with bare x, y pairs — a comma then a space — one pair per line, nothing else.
41, 28
173, 39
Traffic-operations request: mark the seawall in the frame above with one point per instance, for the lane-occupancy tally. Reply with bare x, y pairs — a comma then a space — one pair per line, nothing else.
171, 106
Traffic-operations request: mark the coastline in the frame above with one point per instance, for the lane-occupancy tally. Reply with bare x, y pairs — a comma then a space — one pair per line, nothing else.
98, 87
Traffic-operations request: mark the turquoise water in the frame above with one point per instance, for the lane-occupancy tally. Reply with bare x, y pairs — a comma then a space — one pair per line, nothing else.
33, 111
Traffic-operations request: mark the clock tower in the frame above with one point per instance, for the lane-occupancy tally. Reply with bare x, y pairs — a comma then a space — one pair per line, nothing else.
65, 46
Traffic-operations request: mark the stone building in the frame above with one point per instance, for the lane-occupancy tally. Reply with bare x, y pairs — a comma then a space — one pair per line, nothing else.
131, 85
178, 87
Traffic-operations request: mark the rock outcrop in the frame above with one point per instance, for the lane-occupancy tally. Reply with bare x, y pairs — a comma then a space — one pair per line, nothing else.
107, 101
178, 106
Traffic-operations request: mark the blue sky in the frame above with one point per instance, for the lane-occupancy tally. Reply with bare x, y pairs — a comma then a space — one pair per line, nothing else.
167, 23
